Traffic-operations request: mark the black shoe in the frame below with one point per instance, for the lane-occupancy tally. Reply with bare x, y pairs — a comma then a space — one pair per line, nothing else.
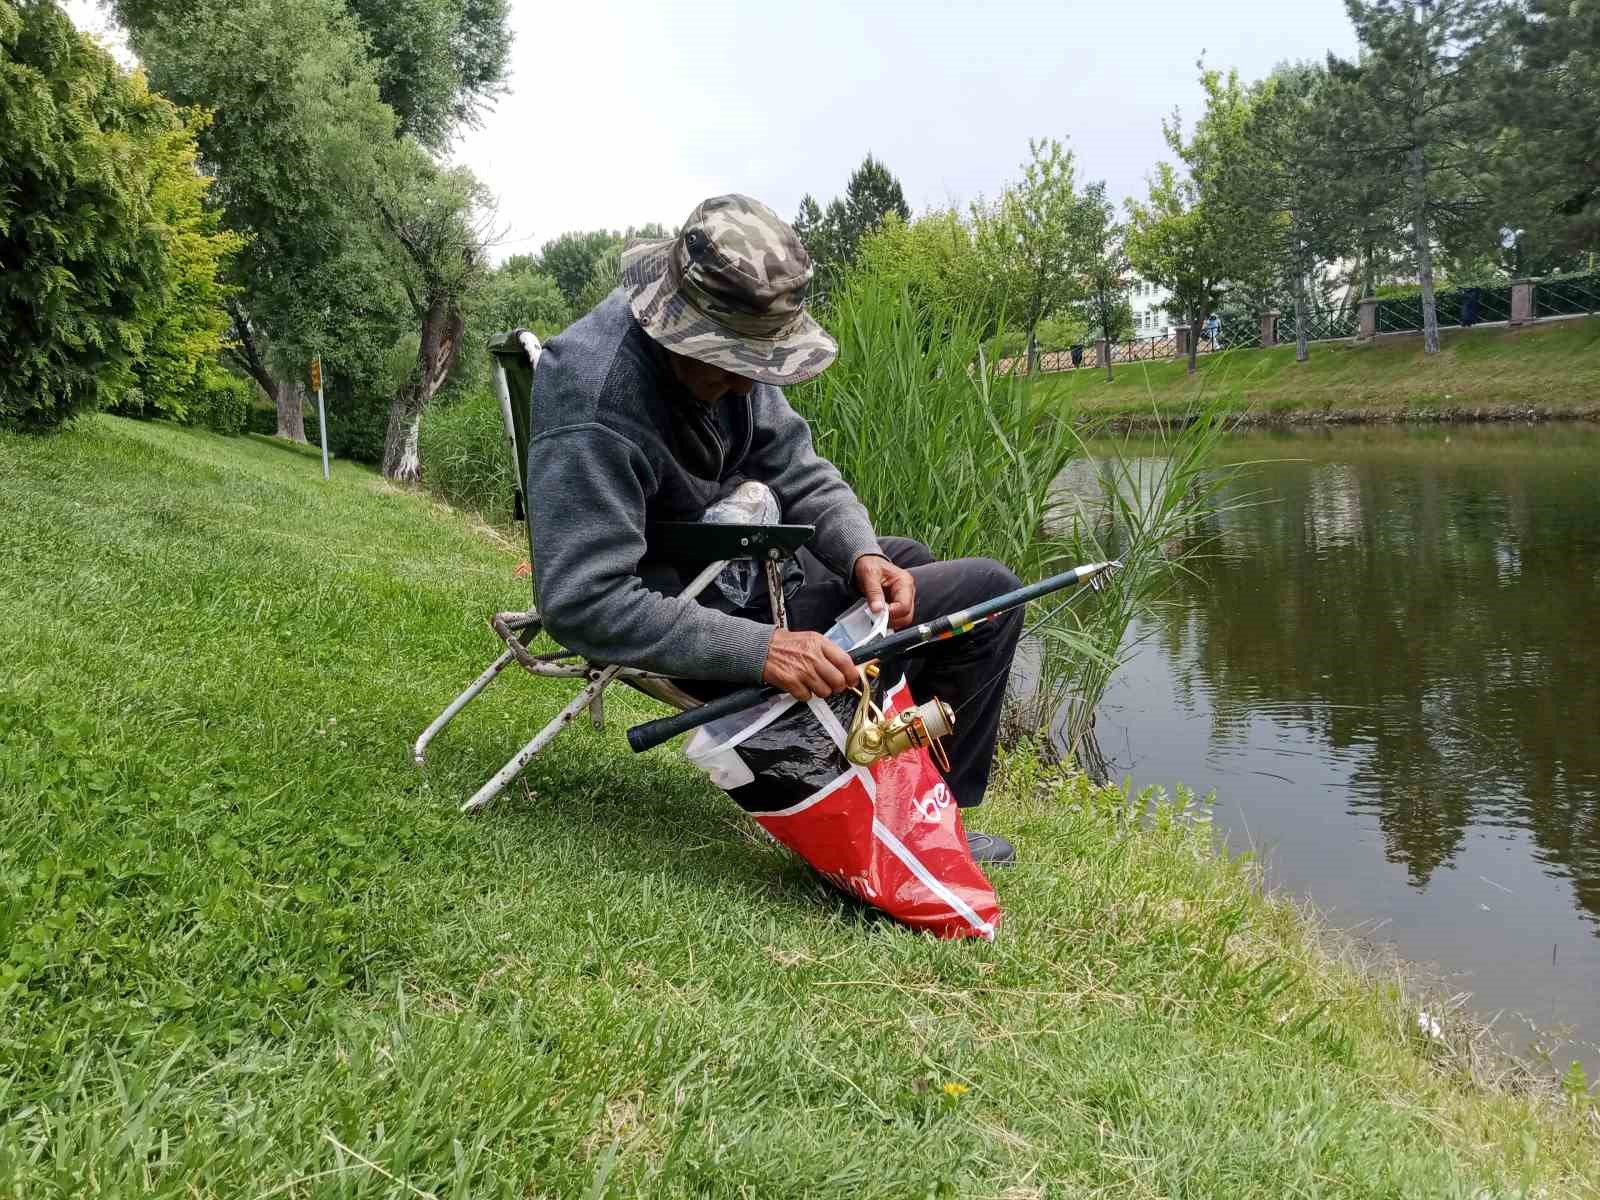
988, 850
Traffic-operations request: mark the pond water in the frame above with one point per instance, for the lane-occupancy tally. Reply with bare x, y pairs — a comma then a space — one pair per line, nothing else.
1390, 675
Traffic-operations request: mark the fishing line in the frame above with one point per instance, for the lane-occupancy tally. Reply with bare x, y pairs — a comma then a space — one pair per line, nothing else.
1005, 671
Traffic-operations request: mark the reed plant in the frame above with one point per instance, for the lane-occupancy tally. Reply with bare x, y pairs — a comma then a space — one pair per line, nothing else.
464, 457
941, 447
1150, 503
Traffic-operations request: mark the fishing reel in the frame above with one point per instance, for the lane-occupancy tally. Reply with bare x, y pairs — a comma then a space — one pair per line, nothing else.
875, 736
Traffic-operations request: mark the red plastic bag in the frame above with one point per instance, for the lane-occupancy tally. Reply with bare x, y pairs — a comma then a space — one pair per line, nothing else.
889, 834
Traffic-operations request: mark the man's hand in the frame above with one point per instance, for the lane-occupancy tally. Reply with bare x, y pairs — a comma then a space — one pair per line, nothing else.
807, 665
880, 581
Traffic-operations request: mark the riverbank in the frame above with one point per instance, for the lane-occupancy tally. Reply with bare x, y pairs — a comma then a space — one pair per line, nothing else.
249, 949
1544, 372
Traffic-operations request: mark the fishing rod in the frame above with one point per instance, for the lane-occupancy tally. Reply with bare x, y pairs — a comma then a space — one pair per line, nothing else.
653, 733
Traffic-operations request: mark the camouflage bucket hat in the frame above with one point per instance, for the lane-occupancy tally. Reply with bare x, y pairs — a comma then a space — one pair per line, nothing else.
730, 290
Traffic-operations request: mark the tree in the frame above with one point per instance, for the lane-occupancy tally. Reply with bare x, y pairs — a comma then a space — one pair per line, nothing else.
933, 259
439, 62
107, 263
1103, 253
1291, 169
872, 194
832, 237
436, 243
1199, 235
295, 115
1030, 237
516, 295
326, 180
176, 369
1550, 100
1417, 118
573, 258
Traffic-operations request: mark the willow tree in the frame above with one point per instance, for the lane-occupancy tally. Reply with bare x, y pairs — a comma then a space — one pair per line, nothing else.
289, 88
431, 223
304, 147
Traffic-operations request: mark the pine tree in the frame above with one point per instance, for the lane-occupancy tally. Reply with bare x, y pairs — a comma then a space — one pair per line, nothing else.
832, 237
1418, 121
1295, 175
1550, 99
870, 196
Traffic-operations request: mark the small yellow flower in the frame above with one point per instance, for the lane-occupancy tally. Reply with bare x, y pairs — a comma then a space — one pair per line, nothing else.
955, 1089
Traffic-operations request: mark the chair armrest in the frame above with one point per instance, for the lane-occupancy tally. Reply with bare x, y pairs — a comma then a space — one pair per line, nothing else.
696, 542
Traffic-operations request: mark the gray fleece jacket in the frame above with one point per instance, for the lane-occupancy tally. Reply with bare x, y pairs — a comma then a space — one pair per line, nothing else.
616, 442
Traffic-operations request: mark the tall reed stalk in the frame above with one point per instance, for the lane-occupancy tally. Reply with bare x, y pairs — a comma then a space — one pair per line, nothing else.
1151, 503
942, 449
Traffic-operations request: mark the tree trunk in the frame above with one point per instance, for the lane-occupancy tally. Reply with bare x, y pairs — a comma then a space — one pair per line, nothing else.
1194, 339
1110, 353
286, 396
290, 396
442, 326
1419, 230
1369, 271
1301, 333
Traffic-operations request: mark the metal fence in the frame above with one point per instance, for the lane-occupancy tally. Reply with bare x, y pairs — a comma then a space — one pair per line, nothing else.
1323, 324
1572, 296
1455, 307
1555, 296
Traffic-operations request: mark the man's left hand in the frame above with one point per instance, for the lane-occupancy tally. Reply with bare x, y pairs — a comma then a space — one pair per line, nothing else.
880, 581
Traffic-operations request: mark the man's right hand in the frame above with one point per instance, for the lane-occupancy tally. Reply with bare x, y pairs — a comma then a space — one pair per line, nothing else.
807, 665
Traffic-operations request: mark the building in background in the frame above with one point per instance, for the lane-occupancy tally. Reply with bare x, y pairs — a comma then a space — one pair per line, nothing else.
1149, 303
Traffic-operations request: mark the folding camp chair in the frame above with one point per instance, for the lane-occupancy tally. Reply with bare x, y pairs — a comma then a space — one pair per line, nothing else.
710, 547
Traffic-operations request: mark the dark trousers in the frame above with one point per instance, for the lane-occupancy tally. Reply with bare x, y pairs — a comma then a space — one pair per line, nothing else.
969, 672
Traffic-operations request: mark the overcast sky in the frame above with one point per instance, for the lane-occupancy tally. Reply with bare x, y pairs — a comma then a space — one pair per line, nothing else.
620, 112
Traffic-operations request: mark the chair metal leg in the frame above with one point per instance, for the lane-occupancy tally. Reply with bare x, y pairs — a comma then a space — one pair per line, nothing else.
588, 697
543, 738
420, 749
597, 711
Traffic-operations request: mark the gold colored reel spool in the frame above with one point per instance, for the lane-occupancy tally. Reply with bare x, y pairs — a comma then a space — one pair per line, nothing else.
874, 736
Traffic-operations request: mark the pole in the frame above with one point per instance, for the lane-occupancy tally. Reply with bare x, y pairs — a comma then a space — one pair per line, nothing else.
652, 733
322, 415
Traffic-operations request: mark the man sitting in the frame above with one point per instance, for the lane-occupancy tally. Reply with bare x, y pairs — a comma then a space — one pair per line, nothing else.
662, 400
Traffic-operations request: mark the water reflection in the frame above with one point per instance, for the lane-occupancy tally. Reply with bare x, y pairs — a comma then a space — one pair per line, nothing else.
1404, 628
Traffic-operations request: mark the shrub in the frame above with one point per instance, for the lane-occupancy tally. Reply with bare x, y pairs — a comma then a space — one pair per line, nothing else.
220, 400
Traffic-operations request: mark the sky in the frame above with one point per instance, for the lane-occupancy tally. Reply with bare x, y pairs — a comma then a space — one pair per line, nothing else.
619, 112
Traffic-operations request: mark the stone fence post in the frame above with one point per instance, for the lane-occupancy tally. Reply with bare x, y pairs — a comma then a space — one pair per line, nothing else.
1369, 319
1521, 303
1180, 341
1269, 327
1102, 349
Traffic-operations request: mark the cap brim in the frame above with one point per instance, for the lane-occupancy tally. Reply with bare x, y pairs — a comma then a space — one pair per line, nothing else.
803, 352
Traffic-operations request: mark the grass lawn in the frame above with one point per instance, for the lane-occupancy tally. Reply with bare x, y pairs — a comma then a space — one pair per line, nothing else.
247, 951
1553, 369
